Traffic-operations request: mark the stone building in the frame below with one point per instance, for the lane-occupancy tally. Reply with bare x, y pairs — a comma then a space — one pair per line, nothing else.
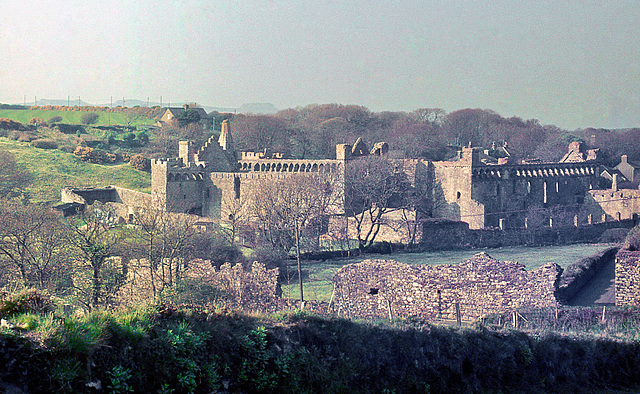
476, 189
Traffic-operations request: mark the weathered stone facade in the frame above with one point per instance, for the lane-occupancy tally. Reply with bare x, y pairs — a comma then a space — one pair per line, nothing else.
628, 278
484, 193
480, 286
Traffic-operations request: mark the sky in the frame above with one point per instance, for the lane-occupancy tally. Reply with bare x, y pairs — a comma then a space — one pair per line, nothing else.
574, 64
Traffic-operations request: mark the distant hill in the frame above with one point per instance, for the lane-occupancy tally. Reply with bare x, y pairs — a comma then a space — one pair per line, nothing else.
249, 108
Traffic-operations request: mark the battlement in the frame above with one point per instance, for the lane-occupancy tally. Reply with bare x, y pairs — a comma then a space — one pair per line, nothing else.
167, 162
204, 149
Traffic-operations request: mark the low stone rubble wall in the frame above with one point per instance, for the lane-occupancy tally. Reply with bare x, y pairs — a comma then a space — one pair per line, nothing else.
480, 286
628, 278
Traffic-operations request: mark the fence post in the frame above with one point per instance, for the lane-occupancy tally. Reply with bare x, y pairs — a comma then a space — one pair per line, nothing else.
389, 306
458, 317
515, 319
439, 304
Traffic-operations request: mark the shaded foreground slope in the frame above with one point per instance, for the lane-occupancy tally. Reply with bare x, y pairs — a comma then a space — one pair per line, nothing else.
192, 351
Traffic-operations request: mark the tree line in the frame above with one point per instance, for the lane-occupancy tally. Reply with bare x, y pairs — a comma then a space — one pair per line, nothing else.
313, 131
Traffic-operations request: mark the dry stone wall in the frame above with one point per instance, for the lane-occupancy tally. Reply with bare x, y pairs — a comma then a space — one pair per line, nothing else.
252, 289
480, 286
628, 278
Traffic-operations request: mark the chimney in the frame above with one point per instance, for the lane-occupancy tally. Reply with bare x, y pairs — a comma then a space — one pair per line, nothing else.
614, 183
186, 106
623, 159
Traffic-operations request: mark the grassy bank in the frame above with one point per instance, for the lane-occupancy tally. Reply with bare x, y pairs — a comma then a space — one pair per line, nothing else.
72, 117
54, 169
192, 350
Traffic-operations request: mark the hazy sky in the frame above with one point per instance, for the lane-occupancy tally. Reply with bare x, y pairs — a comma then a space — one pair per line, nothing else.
571, 63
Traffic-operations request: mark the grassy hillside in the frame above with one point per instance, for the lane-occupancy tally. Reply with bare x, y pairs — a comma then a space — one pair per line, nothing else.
191, 350
54, 169
25, 115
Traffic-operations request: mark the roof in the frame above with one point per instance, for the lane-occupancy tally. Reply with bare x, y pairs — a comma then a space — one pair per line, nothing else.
176, 111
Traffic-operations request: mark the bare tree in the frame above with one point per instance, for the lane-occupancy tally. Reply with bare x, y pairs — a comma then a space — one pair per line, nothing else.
284, 209
163, 239
92, 239
31, 241
374, 186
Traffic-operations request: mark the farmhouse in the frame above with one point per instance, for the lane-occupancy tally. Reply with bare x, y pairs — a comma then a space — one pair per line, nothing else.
174, 113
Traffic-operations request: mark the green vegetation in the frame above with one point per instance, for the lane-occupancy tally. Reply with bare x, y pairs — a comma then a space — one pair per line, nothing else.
74, 117
53, 169
163, 348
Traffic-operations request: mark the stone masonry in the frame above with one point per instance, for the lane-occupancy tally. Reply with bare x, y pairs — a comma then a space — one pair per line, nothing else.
628, 278
481, 286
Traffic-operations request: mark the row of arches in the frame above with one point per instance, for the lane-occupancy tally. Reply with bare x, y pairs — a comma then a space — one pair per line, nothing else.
289, 167
535, 172
186, 176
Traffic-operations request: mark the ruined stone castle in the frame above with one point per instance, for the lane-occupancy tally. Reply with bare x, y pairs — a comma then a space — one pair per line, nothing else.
477, 189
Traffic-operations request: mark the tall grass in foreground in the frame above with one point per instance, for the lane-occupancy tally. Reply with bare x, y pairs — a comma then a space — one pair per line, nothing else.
184, 349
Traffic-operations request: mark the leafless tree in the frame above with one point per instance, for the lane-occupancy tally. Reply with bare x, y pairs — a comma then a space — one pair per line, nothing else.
374, 186
163, 239
284, 209
32, 243
93, 240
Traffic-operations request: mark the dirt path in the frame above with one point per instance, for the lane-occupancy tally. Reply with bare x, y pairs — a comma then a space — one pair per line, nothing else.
600, 290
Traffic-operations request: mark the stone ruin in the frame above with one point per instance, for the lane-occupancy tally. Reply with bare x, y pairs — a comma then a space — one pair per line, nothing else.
480, 286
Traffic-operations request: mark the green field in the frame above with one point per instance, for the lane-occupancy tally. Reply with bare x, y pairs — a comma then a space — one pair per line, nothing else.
318, 285
71, 117
54, 169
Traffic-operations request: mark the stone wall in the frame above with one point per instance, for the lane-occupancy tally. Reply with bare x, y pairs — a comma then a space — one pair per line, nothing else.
253, 289
628, 278
481, 285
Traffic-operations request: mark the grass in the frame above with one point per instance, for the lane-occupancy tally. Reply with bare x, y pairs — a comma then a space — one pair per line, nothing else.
54, 169
71, 117
188, 351
318, 279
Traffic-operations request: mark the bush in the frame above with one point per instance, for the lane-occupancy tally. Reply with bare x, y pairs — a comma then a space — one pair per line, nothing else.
89, 118
8, 124
143, 137
37, 122
140, 163
69, 128
632, 242
44, 144
25, 301
270, 257
95, 156
53, 120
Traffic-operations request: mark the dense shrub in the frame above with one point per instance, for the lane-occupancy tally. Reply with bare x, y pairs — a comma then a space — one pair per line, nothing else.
37, 122
24, 301
89, 118
140, 163
44, 144
53, 120
95, 156
632, 242
8, 124
69, 128
22, 136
